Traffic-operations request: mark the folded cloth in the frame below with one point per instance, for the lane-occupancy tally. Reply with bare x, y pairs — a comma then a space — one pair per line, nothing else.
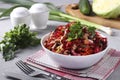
100, 71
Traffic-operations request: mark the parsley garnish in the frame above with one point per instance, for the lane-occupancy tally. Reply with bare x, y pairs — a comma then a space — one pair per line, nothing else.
77, 30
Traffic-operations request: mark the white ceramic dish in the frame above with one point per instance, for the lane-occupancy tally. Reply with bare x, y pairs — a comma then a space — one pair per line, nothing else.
39, 15
73, 62
20, 15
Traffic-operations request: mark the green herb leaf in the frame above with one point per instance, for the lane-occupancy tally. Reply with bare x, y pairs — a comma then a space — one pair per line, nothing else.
77, 30
19, 37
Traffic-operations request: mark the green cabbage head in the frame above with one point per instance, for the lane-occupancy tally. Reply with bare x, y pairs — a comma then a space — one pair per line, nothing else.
106, 8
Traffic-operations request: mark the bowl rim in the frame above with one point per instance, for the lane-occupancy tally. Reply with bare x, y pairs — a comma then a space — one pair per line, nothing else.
47, 35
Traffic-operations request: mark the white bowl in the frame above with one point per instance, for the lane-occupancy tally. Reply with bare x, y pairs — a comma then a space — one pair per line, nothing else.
73, 62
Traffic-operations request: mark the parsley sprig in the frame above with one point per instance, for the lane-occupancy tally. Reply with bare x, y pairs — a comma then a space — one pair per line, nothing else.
18, 38
77, 30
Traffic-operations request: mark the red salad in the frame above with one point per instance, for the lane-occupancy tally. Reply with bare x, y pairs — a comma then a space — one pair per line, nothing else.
75, 39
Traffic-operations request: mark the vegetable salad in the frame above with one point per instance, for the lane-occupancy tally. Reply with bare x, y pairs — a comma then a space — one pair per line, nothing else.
75, 39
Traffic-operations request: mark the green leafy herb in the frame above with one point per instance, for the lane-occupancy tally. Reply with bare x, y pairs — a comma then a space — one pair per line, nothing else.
18, 38
77, 30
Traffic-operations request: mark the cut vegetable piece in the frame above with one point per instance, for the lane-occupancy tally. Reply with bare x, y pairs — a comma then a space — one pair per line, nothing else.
106, 8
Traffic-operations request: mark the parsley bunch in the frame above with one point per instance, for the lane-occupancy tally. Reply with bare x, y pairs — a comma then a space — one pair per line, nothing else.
18, 38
